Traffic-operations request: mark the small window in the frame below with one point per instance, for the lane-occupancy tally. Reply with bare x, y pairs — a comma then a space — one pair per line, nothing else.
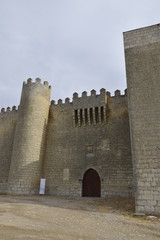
91, 115
96, 115
102, 114
76, 117
86, 116
81, 117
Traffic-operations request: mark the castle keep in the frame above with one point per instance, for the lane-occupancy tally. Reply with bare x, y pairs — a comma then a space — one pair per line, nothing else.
142, 54
96, 145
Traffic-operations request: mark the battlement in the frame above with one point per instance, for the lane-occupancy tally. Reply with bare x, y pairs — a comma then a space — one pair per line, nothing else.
60, 102
89, 110
85, 100
93, 100
37, 81
8, 110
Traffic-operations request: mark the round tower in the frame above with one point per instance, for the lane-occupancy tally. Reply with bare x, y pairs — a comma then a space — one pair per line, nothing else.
29, 140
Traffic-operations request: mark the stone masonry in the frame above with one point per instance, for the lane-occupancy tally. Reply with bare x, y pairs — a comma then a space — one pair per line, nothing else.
29, 138
94, 133
82, 147
61, 142
142, 54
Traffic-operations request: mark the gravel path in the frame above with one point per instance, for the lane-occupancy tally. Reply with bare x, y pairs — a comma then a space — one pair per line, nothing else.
49, 218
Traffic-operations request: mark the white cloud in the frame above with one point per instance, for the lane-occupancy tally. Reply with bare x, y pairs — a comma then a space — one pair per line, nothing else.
76, 44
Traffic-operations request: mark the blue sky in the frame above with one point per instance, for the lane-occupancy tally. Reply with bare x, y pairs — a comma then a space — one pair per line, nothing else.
75, 45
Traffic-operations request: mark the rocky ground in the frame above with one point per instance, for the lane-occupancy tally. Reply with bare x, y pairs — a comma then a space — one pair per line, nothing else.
49, 218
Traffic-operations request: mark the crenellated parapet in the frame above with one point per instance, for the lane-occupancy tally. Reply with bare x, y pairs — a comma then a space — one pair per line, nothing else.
8, 109
37, 81
61, 105
117, 93
92, 109
89, 110
92, 100
60, 102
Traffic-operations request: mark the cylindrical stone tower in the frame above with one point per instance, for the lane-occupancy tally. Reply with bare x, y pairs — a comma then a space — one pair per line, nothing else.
29, 140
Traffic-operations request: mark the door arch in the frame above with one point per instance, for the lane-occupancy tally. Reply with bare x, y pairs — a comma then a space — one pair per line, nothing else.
91, 186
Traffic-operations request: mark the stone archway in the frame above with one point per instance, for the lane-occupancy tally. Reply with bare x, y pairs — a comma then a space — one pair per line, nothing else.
91, 185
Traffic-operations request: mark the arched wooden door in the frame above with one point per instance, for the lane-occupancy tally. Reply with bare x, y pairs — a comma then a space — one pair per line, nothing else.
91, 186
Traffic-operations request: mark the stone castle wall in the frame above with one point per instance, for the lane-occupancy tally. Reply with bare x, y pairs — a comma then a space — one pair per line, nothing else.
142, 54
60, 142
8, 119
90, 132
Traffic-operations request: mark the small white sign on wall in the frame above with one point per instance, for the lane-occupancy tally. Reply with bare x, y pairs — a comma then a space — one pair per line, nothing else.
42, 186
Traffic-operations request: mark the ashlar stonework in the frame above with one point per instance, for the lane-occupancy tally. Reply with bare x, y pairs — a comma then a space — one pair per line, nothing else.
96, 145
142, 54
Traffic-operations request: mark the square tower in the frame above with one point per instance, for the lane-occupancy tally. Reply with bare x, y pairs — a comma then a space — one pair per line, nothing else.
142, 56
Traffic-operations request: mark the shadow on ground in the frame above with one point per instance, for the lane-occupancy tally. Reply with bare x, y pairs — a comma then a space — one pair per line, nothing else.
121, 205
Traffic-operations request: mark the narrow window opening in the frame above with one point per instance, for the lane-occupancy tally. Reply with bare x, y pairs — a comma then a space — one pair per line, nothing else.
91, 115
96, 115
76, 117
81, 117
86, 116
102, 114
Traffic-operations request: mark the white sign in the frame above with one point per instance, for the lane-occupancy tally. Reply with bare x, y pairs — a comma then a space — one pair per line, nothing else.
42, 186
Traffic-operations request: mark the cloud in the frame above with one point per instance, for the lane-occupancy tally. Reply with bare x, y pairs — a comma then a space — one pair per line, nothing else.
76, 45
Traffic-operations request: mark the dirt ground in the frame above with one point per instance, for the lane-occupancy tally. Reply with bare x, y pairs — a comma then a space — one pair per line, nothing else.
54, 218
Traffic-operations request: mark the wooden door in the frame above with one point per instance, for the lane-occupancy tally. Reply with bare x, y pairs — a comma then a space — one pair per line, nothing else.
91, 184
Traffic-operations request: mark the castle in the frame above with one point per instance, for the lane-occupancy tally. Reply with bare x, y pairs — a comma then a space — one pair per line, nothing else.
96, 145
